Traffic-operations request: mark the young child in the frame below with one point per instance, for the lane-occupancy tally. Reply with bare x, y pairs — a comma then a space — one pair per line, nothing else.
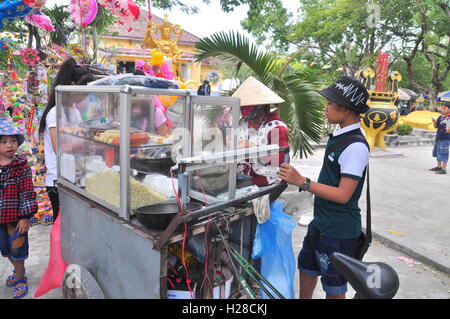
441, 144
17, 205
337, 220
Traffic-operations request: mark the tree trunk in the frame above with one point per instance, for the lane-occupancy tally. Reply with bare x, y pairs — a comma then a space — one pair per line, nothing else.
30, 36
94, 45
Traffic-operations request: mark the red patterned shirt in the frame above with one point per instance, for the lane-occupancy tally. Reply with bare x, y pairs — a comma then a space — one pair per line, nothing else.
17, 197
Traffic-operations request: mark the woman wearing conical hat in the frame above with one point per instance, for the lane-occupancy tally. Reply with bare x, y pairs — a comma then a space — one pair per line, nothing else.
259, 126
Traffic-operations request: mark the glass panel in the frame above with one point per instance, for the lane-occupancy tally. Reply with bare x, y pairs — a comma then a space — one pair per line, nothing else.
212, 131
89, 157
151, 147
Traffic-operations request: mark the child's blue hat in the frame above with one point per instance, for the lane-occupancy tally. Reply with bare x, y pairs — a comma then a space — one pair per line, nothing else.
6, 128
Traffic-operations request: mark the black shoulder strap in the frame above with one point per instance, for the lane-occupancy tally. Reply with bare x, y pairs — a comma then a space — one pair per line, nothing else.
368, 206
342, 142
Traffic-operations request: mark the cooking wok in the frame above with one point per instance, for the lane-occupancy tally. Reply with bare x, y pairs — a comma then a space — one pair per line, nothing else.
158, 216
152, 165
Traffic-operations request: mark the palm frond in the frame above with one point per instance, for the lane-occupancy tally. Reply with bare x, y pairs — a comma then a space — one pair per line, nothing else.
303, 107
305, 115
226, 46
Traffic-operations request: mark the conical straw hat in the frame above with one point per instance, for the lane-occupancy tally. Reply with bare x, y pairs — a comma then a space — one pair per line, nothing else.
253, 92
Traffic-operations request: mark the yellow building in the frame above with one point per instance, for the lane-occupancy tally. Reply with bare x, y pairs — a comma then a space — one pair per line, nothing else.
122, 49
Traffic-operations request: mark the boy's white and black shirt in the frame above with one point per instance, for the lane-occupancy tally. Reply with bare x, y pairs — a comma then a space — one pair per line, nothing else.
342, 221
354, 159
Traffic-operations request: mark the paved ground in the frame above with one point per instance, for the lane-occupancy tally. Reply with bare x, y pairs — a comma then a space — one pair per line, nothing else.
410, 214
406, 199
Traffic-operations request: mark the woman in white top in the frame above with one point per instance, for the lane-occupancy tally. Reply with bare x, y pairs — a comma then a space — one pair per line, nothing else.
70, 73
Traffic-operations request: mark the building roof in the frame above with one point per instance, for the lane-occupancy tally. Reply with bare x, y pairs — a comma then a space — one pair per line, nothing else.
139, 27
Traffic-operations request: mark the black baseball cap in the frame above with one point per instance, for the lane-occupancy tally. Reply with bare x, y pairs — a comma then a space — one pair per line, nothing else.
349, 93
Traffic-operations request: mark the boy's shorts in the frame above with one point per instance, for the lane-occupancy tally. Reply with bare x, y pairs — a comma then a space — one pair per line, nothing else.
440, 150
13, 245
315, 256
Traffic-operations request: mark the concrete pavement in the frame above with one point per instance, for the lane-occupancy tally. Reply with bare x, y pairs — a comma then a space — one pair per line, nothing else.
410, 209
410, 220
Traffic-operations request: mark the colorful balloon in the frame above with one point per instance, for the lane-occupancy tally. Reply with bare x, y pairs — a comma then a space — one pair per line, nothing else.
40, 21
126, 10
83, 12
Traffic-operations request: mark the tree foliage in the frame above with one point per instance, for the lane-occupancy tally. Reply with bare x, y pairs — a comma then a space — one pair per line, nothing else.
348, 34
303, 107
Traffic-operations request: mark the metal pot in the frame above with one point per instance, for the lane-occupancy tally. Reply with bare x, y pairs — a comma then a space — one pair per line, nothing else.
152, 165
158, 216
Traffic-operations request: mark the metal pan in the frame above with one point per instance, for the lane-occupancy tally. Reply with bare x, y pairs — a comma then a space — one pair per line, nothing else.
158, 216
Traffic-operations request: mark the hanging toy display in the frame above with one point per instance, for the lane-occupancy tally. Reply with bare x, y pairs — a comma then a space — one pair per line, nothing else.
35, 4
8, 41
30, 56
40, 21
11, 9
83, 12
126, 10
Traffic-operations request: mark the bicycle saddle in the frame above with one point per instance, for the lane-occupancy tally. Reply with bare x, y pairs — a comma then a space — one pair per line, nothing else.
370, 280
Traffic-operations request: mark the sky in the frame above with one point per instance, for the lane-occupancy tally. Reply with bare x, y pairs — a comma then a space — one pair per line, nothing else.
209, 20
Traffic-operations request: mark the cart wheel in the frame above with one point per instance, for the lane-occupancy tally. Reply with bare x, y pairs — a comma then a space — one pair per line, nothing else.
78, 283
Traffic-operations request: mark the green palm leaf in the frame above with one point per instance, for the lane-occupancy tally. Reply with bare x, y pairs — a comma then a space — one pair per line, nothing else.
305, 115
303, 107
225, 46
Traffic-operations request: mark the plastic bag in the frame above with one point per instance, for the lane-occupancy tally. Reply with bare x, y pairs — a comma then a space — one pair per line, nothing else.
273, 244
56, 267
137, 80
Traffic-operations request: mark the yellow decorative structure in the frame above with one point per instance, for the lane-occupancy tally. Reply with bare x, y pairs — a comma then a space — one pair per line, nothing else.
122, 49
165, 42
421, 120
382, 116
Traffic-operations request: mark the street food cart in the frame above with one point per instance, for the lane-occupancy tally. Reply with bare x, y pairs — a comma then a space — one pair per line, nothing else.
117, 180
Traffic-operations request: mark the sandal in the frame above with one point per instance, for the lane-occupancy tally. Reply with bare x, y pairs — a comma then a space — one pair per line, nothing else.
11, 280
435, 169
441, 171
22, 290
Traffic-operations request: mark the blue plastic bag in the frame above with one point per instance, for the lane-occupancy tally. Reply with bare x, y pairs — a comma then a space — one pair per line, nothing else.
273, 244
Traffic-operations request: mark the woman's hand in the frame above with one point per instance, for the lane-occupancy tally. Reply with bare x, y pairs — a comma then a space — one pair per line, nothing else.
22, 226
290, 175
245, 144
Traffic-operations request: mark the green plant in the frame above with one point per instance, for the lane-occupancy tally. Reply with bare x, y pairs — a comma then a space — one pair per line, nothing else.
303, 107
404, 129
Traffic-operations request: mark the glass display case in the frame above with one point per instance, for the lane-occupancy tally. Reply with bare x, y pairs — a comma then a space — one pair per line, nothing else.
117, 144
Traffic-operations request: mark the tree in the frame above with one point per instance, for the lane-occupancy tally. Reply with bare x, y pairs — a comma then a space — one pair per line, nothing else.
349, 33
303, 107
64, 25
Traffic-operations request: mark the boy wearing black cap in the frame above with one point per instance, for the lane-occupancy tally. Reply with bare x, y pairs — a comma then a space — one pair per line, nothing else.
337, 221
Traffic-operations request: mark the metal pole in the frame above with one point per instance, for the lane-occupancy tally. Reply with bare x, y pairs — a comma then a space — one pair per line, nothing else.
124, 107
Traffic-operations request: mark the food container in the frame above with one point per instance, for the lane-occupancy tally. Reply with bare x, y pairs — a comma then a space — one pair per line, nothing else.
158, 216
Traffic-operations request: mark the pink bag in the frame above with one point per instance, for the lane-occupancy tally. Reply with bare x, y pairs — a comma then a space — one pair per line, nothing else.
56, 265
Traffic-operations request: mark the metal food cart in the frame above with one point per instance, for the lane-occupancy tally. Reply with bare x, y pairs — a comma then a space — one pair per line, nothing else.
103, 179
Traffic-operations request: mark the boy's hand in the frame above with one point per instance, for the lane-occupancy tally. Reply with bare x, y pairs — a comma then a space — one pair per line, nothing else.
22, 226
290, 175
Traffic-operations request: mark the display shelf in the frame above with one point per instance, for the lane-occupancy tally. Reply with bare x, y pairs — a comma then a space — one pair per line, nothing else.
133, 148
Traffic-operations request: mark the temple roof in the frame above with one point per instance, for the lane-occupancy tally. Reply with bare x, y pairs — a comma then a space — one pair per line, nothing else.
139, 27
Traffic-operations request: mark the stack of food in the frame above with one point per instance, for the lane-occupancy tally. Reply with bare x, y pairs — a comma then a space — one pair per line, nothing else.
113, 137
106, 186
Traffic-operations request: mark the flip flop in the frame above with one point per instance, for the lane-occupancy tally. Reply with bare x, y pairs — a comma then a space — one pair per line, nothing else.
10, 281
22, 289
